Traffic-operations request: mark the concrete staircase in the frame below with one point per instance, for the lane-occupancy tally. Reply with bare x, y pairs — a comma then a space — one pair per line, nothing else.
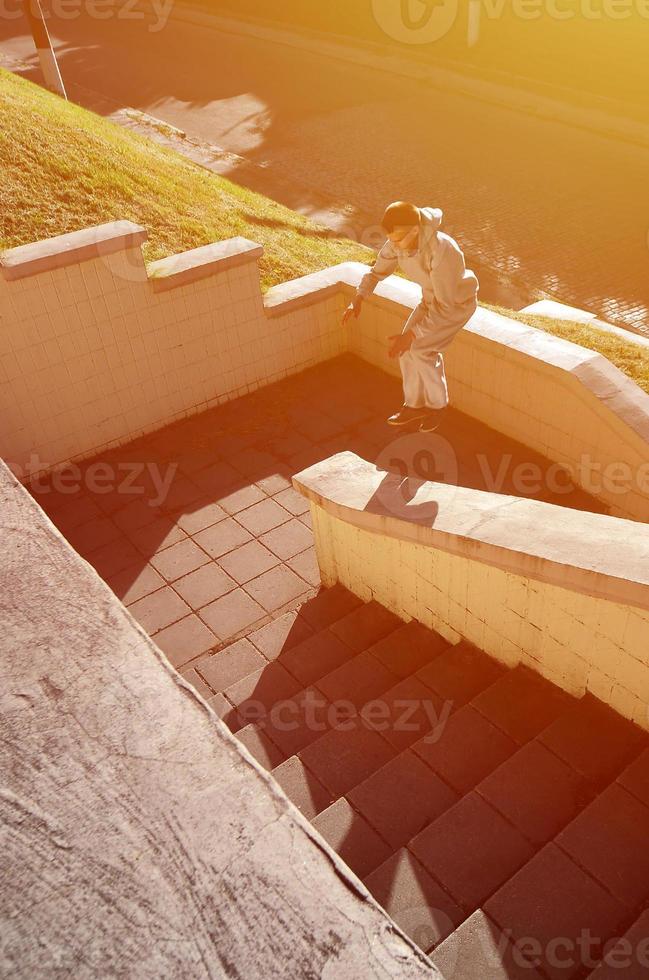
478, 804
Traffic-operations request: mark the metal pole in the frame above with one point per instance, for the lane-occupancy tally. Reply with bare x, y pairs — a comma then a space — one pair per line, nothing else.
46, 56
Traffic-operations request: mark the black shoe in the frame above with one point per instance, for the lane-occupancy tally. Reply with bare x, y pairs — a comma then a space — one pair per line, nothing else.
432, 420
406, 414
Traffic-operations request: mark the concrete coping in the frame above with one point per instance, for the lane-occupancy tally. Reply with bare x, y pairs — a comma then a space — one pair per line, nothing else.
312, 288
594, 554
76, 246
198, 263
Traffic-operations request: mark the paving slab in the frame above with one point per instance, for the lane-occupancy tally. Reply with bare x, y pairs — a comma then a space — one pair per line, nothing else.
522, 703
351, 837
479, 950
567, 915
409, 648
594, 740
536, 792
469, 747
410, 896
401, 798
610, 840
471, 850
460, 673
302, 787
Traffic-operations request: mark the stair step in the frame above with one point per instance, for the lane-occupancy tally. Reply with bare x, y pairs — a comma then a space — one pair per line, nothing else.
229, 665
451, 784
260, 746
366, 625
461, 672
296, 722
635, 778
256, 694
609, 840
632, 949
425, 912
409, 648
401, 798
554, 901
282, 633
316, 657
352, 838
537, 792
522, 703
470, 747
342, 758
594, 740
479, 950
471, 850
406, 713
328, 606
302, 788
361, 679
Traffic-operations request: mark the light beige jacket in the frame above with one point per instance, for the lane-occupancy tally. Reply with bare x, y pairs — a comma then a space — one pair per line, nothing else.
449, 289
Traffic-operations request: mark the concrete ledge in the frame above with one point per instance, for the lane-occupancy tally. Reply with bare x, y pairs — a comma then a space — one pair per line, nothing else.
593, 554
198, 263
139, 838
307, 290
76, 246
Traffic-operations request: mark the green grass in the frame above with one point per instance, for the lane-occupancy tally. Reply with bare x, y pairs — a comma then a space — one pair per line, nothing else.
627, 356
64, 168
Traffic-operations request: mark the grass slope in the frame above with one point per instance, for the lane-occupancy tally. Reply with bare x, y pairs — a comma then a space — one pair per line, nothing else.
64, 168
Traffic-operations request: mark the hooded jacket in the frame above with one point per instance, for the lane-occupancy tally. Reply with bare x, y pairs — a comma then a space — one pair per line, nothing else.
450, 290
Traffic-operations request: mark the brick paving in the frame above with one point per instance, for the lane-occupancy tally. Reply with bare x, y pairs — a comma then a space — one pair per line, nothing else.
228, 548
503, 811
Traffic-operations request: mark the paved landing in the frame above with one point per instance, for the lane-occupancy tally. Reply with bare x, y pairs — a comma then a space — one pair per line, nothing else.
198, 529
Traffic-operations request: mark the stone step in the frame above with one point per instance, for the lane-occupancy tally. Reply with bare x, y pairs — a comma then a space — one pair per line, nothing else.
454, 787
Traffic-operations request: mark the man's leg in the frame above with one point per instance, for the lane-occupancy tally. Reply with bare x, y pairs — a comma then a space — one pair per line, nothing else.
414, 400
428, 369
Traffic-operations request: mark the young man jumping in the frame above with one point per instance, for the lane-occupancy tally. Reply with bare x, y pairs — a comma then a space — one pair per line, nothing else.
435, 261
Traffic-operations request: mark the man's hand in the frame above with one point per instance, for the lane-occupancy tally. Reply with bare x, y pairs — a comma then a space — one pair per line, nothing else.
401, 342
353, 310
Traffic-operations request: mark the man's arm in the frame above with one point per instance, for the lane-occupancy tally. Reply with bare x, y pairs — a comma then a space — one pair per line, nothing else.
385, 264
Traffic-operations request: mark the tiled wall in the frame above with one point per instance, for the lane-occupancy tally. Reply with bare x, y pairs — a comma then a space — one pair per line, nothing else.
94, 353
579, 642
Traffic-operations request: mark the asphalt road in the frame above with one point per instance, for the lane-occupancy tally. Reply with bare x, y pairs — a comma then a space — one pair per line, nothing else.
540, 208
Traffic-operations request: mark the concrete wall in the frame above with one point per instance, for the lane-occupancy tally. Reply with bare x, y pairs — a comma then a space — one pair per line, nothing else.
565, 593
95, 349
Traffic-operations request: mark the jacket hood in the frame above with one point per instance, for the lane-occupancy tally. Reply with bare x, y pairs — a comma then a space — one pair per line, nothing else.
430, 222
431, 218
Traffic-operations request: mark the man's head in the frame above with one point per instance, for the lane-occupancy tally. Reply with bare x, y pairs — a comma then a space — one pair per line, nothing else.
401, 225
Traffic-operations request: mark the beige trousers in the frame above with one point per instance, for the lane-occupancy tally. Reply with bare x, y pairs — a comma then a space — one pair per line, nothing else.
422, 367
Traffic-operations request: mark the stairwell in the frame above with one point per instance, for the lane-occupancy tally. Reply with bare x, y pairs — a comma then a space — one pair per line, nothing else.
501, 823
